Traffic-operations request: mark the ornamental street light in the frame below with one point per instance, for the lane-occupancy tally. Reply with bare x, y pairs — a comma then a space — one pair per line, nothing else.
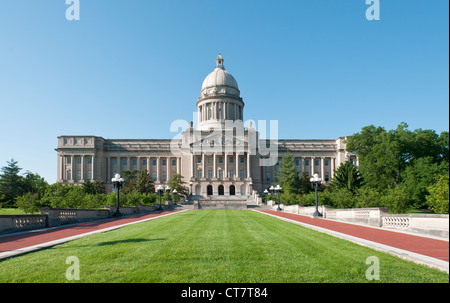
117, 183
277, 190
315, 182
266, 192
160, 189
190, 184
175, 196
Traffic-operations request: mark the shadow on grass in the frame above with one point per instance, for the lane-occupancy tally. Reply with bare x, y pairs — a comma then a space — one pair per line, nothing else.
128, 241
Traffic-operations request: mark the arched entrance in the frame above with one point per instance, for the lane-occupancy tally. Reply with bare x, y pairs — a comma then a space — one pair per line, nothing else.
221, 190
232, 190
209, 190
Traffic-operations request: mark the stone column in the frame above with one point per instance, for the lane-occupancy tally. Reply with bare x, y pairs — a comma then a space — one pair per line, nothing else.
192, 166
248, 165
82, 167
158, 160
303, 164
71, 167
236, 173
214, 166
226, 166
312, 166
332, 167
203, 165
322, 168
93, 166
168, 168
148, 166
178, 165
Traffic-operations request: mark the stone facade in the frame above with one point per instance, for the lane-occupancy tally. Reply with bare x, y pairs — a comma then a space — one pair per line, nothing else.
220, 157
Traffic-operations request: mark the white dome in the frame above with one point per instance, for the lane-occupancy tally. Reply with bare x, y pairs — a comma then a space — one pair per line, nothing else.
219, 77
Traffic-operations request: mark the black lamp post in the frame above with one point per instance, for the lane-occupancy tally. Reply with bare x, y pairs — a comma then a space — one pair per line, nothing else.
266, 192
160, 189
277, 190
315, 182
117, 184
175, 196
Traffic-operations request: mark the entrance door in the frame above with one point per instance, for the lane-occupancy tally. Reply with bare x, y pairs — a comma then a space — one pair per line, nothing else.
209, 190
232, 190
221, 190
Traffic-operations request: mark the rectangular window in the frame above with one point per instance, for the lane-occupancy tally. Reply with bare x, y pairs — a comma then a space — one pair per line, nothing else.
79, 160
210, 160
79, 175
231, 173
242, 159
124, 162
231, 160
326, 162
174, 162
199, 174
220, 159
268, 177
164, 162
114, 162
134, 162
242, 174
297, 162
89, 160
144, 162
69, 160
316, 162
199, 159
327, 177
210, 173
154, 176
220, 174
154, 162
306, 162
351, 160
164, 177
69, 175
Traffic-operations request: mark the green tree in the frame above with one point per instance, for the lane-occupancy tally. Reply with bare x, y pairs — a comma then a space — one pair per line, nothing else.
347, 176
144, 183
35, 184
29, 202
10, 183
93, 187
385, 155
439, 195
177, 183
287, 176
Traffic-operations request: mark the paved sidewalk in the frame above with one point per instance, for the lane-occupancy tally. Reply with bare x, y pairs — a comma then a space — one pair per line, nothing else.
420, 249
14, 244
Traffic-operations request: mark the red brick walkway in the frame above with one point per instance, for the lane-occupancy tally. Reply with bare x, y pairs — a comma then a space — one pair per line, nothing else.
421, 245
31, 238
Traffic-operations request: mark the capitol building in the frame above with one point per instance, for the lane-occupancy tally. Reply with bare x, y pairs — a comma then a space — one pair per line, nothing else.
219, 157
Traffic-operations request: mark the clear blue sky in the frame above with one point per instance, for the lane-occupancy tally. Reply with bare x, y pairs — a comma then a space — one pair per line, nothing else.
127, 69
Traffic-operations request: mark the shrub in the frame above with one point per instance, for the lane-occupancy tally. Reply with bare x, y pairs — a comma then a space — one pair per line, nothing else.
439, 197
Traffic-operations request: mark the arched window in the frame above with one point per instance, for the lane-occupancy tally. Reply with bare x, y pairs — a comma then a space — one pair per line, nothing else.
232, 190
209, 190
221, 190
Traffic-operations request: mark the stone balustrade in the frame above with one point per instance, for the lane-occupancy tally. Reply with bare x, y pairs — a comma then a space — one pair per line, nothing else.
426, 224
15, 223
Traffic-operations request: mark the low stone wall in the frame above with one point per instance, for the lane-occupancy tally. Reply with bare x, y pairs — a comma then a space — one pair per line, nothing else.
428, 224
51, 217
16, 223
219, 205
62, 216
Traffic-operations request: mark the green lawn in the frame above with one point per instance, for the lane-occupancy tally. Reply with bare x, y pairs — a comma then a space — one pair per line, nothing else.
213, 246
11, 211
